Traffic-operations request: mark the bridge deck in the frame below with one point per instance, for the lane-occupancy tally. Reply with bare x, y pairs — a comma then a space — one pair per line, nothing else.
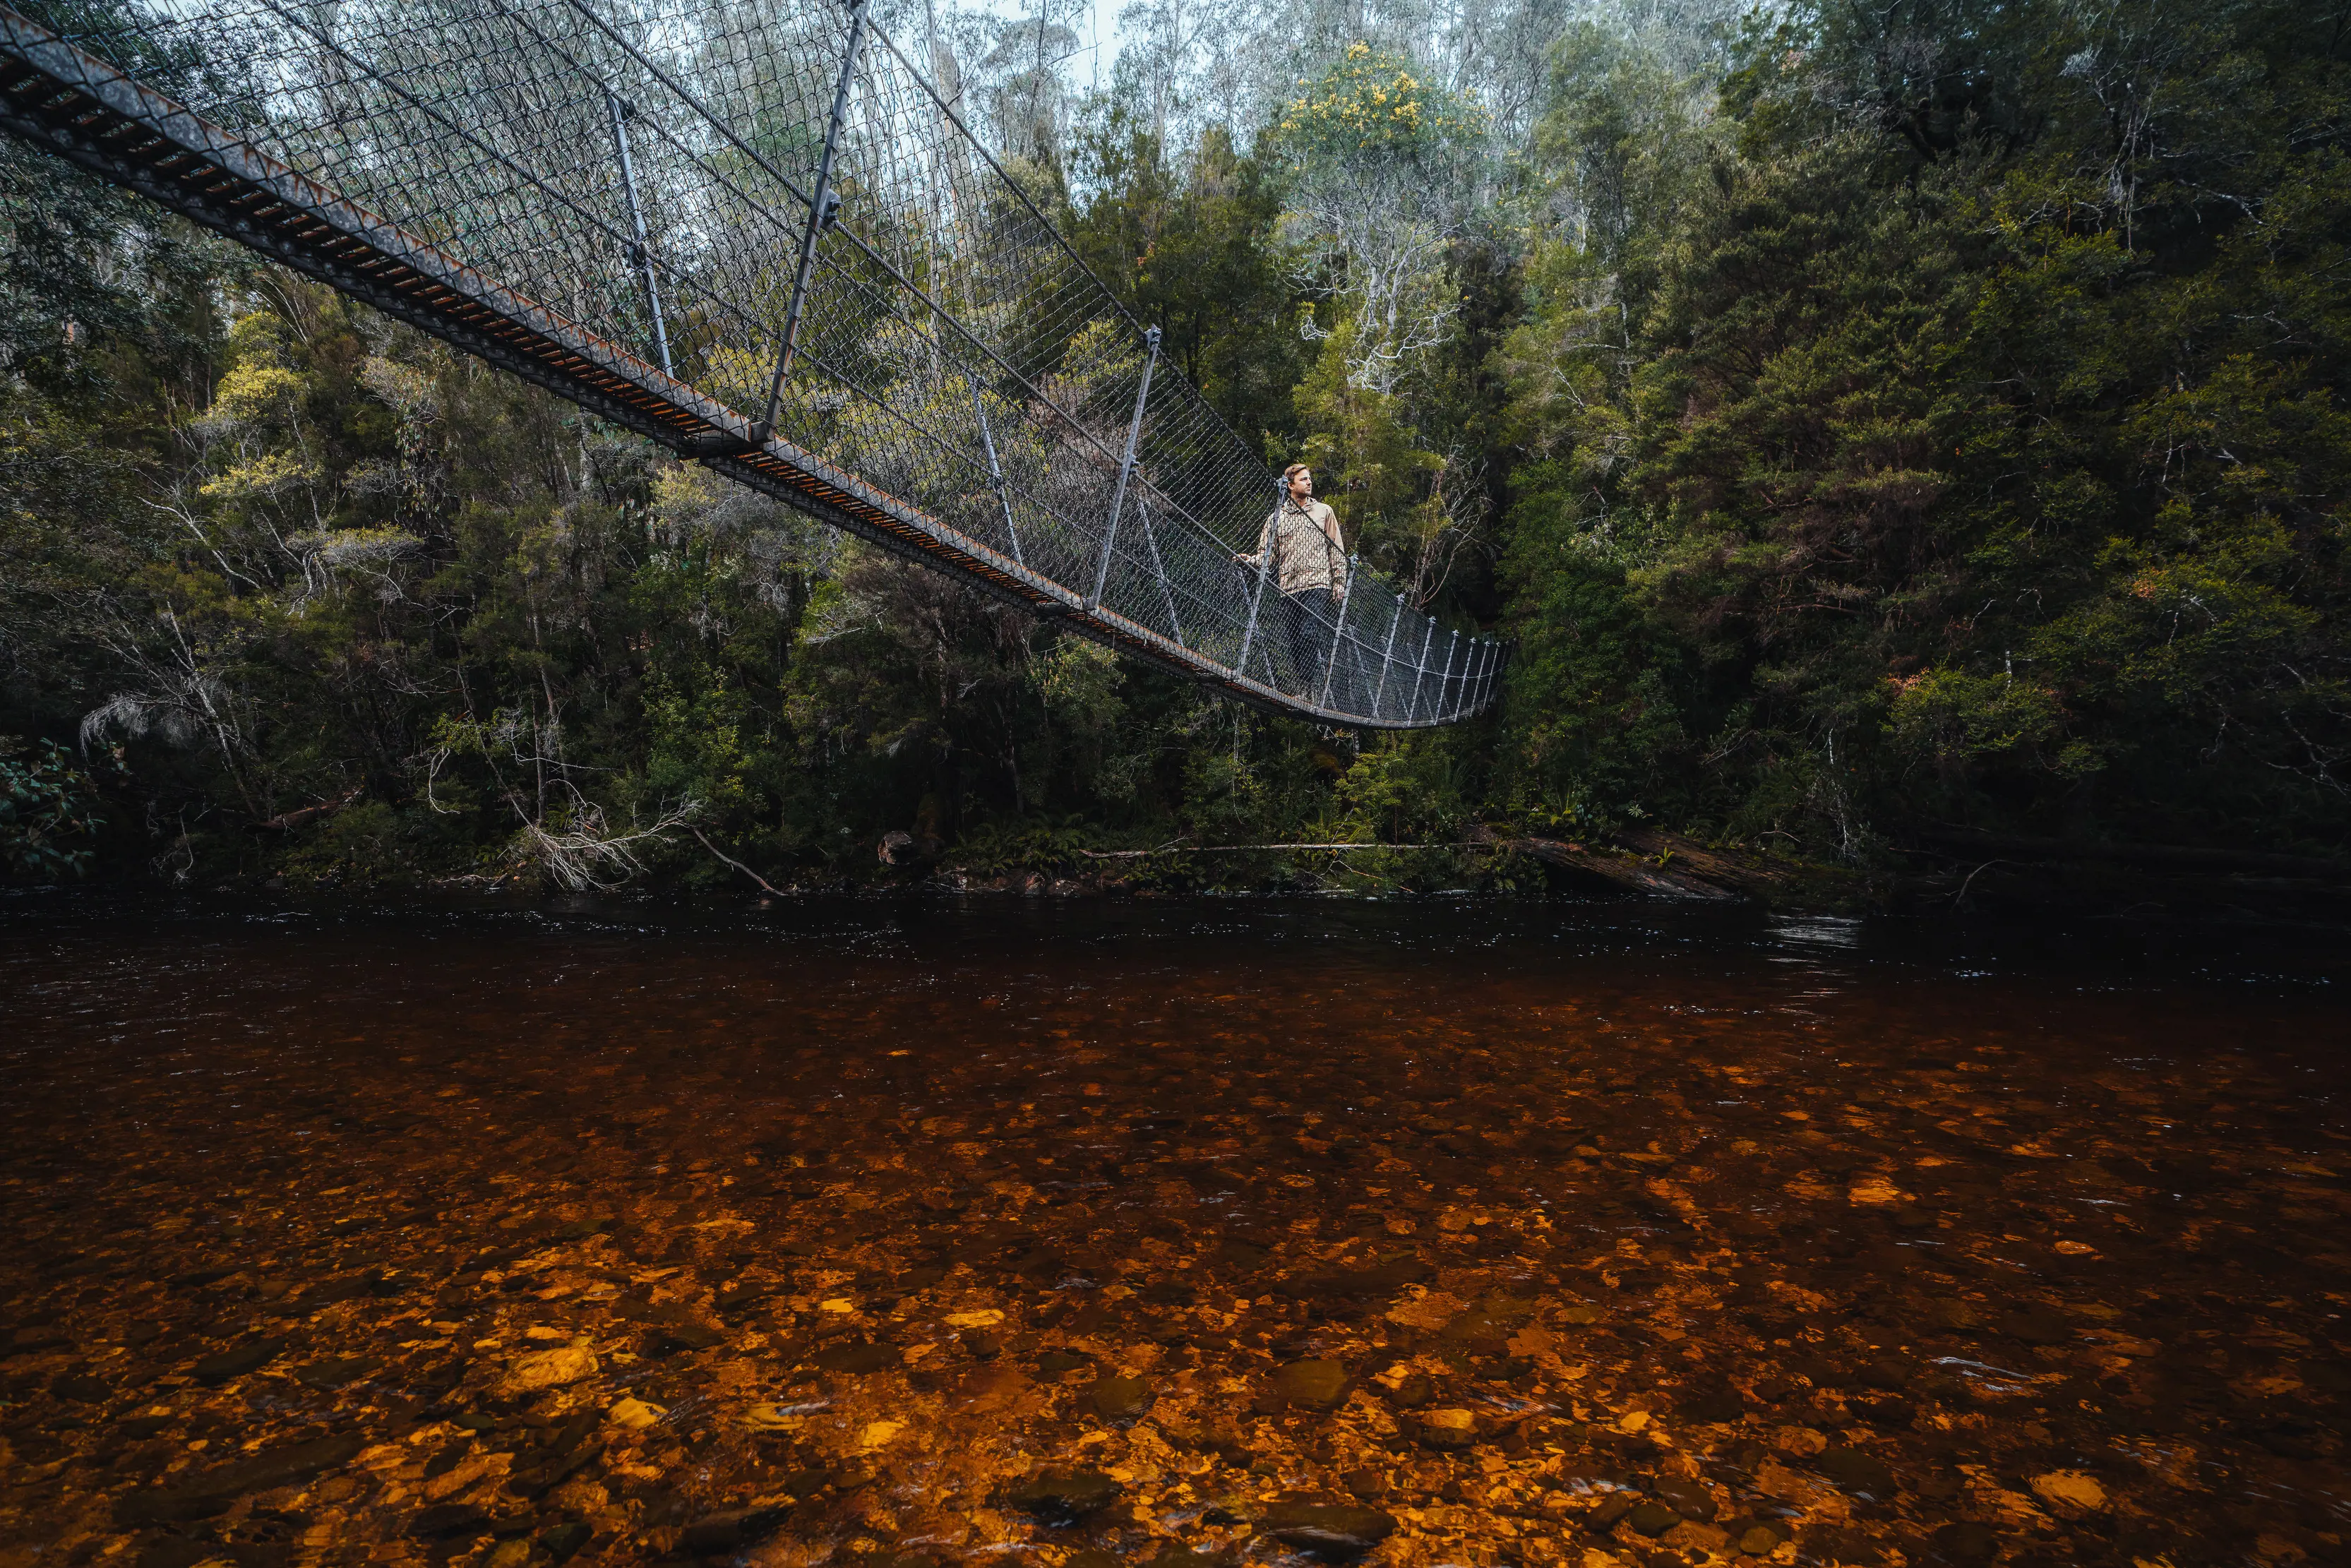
70, 102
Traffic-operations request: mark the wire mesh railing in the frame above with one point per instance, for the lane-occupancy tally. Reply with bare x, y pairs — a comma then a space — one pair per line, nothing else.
761, 234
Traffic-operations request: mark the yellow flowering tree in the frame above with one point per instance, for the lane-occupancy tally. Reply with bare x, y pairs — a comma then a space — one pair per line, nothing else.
1384, 167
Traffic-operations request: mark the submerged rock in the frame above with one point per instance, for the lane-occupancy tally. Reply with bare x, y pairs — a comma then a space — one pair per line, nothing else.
214, 1490
1311, 1385
450, 1519
1713, 1406
1489, 1324
671, 1337
198, 1279
1379, 1280
1653, 1518
1448, 1430
1413, 1391
1863, 1474
1328, 1529
336, 1372
857, 1357
1968, 1540
562, 1542
1242, 1255
634, 1415
1054, 1364
1889, 1412
1689, 1499
1060, 1497
81, 1389
1173, 1555
716, 1533
550, 1369
238, 1360
1121, 1398
1842, 1544
1757, 1537
2076, 1490
1887, 1374
742, 1296
2037, 1326
1612, 1508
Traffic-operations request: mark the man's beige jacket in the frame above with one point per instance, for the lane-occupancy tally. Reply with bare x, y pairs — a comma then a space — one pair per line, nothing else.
1306, 551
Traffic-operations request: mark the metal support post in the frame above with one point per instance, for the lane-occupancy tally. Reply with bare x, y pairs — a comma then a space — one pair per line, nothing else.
1125, 470
640, 252
1387, 655
995, 469
1444, 681
1338, 633
1266, 541
1420, 669
823, 206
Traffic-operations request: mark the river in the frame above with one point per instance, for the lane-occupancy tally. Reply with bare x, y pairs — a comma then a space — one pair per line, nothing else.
1427, 1233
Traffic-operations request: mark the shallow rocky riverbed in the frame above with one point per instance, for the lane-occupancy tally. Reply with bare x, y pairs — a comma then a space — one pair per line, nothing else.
1156, 1235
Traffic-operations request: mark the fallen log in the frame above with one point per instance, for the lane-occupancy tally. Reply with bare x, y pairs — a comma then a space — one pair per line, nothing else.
1756, 875
1242, 848
287, 820
1622, 868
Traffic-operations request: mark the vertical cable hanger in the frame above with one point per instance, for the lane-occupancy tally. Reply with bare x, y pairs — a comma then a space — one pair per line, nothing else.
1125, 471
1338, 634
1265, 547
825, 209
640, 250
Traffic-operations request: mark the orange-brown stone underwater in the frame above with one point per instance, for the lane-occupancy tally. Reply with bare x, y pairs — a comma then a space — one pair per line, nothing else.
1413, 1234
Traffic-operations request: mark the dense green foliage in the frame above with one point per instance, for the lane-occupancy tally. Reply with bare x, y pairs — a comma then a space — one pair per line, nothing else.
1921, 414
46, 812
1978, 441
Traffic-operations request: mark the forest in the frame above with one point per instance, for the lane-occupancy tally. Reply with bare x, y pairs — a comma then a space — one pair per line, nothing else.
1875, 425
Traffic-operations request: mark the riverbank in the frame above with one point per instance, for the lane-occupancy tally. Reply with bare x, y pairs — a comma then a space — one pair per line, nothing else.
1951, 872
1958, 871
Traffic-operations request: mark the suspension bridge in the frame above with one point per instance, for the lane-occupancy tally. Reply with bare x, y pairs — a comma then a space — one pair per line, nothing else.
762, 236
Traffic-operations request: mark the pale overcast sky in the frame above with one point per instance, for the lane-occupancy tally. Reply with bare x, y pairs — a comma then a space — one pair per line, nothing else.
1097, 33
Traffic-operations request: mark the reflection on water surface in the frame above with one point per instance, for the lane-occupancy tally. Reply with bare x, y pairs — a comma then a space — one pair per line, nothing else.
1123, 1234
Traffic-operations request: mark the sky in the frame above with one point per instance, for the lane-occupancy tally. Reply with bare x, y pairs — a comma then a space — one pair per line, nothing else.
1097, 34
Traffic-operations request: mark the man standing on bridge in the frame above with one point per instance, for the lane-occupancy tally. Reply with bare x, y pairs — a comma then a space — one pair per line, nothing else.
1310, 564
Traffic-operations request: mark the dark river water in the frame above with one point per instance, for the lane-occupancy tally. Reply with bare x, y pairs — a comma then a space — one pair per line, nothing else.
1163, 1233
